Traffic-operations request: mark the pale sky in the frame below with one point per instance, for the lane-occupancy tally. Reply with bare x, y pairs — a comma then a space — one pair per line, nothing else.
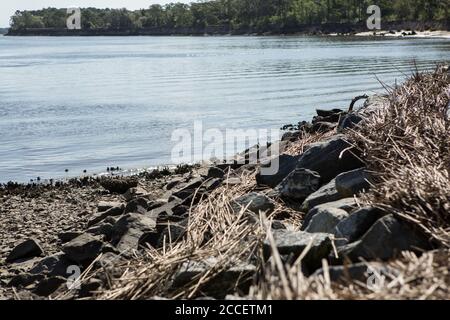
8, 7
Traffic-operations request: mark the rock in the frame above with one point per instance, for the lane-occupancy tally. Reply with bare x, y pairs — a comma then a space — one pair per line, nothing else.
24, 280
175, 207
329, 113
356, 225
68, 236
299, 184
215, 172
118, 185
100, 216
347, 204
131, 231
137, 205
172, 233
322, 127
278, 225
54, 265
291, 136
326, 220
108, 260
173, 183
85, 248
327, 193
287, 164
349, 121
353, 182
136, 192
104, 229
253, 202
353, 272
237, 276
294, 243
106, 205
189, 189
89, 287
329, 158
212, 184
48, 286
385, 240
27, 249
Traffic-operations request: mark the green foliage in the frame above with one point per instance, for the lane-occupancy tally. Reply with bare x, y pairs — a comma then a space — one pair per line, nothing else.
257, 14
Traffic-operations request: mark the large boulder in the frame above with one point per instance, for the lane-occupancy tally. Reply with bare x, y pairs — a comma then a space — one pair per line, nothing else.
387, 238
189, 189
138, 205
237, 275
353, 182
85, 248
131, 231
326, 220
327, 193
294, 243
356, 225
27, 249
299, 184
287, 164
330, 158
253, 202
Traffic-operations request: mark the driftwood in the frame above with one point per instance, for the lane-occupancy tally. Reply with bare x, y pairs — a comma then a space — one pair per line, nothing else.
356, 99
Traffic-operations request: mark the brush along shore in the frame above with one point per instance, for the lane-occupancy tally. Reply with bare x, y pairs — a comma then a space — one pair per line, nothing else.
359, 209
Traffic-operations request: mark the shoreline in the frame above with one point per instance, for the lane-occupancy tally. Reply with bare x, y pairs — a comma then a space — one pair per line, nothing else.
338, 187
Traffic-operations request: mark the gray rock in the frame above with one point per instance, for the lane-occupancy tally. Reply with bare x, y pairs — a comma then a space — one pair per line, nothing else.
137, 205
131, 231
387, 238
212, 184
54, 265
85, 248
356, 225
48, 286
327, 193
27, 249
329, 158
294, 243
118, 185
287, 164
172, 233
347, 204
299, 184
173, 183
100, 216
104, 229
106, 205
215, 172
349, 121
68, 236
353, 182
322, 127
253, 202
173, 207
326, 220
189, 189
136, 192
24, 280
350, 273
329, 113
236, 276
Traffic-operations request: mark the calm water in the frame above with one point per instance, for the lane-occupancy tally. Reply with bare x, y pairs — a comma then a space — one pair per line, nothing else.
89, 103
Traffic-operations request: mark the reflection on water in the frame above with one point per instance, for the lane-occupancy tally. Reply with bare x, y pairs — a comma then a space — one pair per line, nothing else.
89, 103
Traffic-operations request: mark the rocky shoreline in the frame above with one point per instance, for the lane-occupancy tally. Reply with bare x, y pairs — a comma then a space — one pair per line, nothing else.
227, 230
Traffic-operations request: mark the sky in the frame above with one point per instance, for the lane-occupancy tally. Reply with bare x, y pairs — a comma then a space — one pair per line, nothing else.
8, 7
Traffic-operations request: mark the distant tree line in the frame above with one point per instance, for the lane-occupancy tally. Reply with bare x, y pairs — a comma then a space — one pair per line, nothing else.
238, 14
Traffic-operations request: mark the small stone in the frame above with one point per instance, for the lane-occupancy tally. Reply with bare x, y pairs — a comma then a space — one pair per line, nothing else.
136, 192
85, 248
215, 172
353, 182
106, 205
347, 204
294, 243
326, 220
283, 165
299, 184
100, 216
27, 249
253, 202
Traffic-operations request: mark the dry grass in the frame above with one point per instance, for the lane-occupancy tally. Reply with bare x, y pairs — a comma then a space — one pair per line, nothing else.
407, 146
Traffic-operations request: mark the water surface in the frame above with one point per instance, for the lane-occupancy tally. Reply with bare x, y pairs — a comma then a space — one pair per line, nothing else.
88, 103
